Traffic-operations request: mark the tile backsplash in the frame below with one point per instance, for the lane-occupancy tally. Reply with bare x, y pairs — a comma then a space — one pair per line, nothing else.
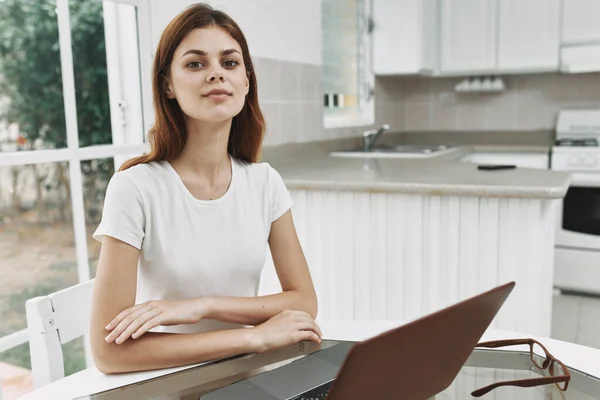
290, 99
290, 96
530, 102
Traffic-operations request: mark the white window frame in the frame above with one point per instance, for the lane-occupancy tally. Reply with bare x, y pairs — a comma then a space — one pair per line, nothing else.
367, 114
126, 142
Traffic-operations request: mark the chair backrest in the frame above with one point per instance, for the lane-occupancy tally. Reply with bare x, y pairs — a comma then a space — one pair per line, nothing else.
53, 320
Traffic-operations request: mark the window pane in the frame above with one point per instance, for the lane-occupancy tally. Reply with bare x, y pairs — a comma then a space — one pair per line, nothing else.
19, 358
96, 174
74, 356
90, 72
343, 58
20, 364
37, 246
31, 96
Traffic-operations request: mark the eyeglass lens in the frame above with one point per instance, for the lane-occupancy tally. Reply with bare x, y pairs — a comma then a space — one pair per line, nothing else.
538, 355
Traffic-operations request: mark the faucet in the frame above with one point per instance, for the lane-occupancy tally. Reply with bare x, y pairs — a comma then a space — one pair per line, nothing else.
371, 136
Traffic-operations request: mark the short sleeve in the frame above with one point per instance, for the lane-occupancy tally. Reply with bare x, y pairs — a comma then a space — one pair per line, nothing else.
281, 201
123, 214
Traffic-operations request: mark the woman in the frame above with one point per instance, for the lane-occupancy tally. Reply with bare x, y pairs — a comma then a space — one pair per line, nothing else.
184, 229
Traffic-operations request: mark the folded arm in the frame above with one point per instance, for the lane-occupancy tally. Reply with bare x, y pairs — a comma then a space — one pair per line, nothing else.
114, 290
114, 294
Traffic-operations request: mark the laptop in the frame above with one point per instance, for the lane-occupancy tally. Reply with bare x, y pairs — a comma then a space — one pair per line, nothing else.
414, 361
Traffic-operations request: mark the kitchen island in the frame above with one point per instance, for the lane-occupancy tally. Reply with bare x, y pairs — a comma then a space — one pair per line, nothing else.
399, 238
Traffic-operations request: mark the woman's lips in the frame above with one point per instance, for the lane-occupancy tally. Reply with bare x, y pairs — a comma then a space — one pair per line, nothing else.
217, 94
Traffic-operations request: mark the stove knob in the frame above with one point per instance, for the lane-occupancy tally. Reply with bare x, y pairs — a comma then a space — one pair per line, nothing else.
591, 161
574, 160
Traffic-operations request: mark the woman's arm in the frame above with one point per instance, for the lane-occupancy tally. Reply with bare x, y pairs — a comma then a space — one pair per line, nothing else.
298, 292
114, 291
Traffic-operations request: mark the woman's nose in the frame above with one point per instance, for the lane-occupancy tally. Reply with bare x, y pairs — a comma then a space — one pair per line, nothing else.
214, 75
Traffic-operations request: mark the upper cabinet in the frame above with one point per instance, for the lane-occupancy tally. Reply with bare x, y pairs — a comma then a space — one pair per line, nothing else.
468, 36
404, 37
580, 40
528, 35
486, 37
580, 21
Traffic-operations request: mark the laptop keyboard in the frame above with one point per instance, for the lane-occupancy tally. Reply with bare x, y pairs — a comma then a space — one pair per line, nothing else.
318, 393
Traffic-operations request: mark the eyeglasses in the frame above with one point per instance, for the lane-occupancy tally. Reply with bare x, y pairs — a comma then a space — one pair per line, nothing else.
559, 374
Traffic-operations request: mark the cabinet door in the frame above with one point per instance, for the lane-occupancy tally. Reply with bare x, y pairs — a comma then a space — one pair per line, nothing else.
468, 36
580, 21
401, 38
430, 33
528, 35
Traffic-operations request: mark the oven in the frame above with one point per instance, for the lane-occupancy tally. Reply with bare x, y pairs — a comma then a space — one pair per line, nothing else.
577, 248
579, 216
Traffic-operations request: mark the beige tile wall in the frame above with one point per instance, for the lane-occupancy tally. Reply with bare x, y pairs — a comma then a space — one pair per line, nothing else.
388, 110
530, 102
290, 99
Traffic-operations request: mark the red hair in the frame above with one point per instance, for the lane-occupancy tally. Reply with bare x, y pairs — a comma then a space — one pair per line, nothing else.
168, 134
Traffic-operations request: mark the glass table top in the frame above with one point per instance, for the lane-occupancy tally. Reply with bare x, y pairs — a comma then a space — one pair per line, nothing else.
483, 368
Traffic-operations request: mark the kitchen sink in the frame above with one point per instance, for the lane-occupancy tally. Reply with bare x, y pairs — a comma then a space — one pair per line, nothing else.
400, 151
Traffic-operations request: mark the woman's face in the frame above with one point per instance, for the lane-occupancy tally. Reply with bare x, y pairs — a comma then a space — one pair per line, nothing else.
207, 76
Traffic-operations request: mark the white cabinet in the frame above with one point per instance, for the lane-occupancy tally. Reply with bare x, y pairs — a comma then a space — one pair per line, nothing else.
485, 37
468, 36
528, 35
499, 36
580, 21
404, 37
378, 256
580, 40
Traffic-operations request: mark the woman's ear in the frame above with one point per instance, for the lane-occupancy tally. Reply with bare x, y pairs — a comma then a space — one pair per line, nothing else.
247, 85
168, 88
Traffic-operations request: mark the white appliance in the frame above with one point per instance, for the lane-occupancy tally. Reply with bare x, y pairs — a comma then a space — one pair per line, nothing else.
577, 150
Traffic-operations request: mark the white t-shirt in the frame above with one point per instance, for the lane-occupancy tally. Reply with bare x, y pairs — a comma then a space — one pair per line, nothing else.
193, 248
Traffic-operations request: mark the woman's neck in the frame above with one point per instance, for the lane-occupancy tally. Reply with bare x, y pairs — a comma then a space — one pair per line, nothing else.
205, 152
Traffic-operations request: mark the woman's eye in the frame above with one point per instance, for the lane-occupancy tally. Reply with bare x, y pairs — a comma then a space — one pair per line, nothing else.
195, 64
230, 63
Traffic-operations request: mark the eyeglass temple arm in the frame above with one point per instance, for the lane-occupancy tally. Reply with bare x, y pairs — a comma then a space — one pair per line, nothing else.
520, 383
500, 343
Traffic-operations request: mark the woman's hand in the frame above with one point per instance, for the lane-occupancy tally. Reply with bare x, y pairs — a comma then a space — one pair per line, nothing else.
286, 328
139, 319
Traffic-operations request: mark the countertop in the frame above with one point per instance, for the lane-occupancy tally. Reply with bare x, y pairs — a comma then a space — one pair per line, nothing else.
439, 175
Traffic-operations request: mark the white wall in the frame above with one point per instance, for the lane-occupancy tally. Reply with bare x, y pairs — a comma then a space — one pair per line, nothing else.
287, 30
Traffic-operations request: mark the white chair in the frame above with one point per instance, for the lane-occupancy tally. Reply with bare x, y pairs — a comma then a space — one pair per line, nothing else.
52, 321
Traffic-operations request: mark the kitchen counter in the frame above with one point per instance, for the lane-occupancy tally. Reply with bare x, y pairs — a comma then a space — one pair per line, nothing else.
442, 175
397, 238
